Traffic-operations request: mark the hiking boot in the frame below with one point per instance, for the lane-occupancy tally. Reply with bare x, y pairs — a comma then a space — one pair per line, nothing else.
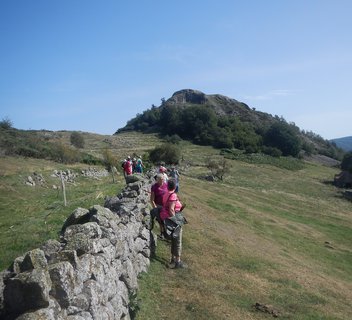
180, 265
172, 264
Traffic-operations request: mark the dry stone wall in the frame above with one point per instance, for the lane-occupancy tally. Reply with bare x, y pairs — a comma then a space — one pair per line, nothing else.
91, 273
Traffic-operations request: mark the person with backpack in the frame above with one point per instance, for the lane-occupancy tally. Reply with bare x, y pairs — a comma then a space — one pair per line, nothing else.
171, 208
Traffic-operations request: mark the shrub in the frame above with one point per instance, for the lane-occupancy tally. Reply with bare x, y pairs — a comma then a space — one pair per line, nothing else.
77, 140
91, 160
218, 167
65, 154
168, 153
174, 139
271, 151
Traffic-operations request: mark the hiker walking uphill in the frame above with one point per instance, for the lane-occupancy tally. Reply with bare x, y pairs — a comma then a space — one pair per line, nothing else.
171, 216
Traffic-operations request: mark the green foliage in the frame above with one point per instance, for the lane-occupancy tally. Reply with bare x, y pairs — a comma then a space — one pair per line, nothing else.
77, 140
91, 160
6, 123
271, 151
64, 154
284, 137
174, 139
168, 153
346, 163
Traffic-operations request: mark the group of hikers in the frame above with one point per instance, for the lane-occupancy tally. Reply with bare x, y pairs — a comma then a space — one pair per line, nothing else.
167, 209
166, 205
131, 166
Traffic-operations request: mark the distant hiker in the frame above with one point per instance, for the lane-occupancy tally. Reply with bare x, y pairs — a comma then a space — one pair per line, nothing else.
123, 167
163, 170
171, 209
175, 175
139, 165
158, 190
134, 164
128, 167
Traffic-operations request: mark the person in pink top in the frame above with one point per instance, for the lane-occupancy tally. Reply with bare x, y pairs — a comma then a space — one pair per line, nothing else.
128, 166
171, 206
157, 192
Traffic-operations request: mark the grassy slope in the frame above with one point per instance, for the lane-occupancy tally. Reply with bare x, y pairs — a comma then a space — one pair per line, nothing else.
257, 237
31, 215
260, 236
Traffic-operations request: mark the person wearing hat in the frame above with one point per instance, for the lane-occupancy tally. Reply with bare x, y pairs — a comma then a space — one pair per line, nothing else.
163, 170
128, 166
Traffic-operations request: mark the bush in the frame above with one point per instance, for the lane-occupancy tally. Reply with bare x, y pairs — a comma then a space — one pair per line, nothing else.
77, 140
91, 160
218, 168
174, 139
65, 154
168, 153
271, 151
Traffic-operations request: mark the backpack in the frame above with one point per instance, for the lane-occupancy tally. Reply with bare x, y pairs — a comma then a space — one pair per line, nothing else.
173, 225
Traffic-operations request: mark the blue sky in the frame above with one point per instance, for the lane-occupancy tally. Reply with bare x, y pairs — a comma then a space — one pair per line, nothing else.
93, 65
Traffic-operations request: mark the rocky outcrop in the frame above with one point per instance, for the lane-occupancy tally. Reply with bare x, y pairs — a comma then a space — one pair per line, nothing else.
92, 270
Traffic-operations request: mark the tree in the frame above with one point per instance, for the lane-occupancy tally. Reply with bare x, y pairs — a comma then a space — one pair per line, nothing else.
6, 123
77, 140
284, 137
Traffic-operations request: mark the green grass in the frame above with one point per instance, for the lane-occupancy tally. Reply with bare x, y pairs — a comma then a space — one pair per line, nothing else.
258, 236
31, 215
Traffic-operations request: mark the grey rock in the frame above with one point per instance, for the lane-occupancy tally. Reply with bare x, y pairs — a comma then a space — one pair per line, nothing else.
78, 216
63, 282
51, 246
27, 291
34, 259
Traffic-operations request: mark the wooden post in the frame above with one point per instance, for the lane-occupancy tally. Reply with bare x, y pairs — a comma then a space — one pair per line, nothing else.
63, 188
113, 170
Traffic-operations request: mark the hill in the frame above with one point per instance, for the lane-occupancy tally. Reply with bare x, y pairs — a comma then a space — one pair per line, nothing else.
273, 234
223, 122
344, 143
